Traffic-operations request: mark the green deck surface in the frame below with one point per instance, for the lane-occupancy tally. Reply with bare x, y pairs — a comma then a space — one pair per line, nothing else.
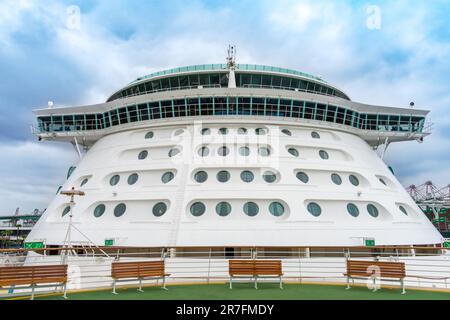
243, 291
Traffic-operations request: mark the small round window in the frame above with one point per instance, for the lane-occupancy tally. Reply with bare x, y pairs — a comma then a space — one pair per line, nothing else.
223, 209
167, 177
119, 210
251, 209
303, 177
206, 132
244, 151
203, 152
114, 180
179, 132
324, 155
336, 179
293, 152
353, 210
173, 152
201, 176
373, 211
314, 209
264, 152
198, 209
223, 176
143, 155
354, 180
383, 182
276, 209
269, 177
402, 209
132, 179
247, 176
66, 211
149, 135
287, 132
99, 210
242, 131
223, 151
315, 135
84, 182
159, 209
223, 131
260, 131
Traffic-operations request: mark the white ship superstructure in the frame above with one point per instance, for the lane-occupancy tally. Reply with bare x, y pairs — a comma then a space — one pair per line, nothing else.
233, 155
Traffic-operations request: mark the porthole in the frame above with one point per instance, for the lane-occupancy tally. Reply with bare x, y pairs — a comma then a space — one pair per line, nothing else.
324, 155
269, 177
315, 135
66, 211
203, 152
244, 151
119, 210
264, 152
260, 131
114, 180
223, 176
303, 177
314, 209
223, 209
159, 209
242, 131
373, 211
336, 179
205, 132
179, 132
173, 152
354, 180
167, 177
223, 151
132, 179
276, 209
143, 155
198, 209
287, 132
402, 209
149, 135
247, 176
223, 131
201, 176
84, 182
353, 210
293, 152
99, 210
383, 182
251, 209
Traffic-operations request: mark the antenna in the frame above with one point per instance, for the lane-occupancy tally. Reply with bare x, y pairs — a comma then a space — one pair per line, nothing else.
231, 59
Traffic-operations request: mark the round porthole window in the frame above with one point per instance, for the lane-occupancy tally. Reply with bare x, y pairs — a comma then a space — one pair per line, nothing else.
354, 180
303, 177
167, 177
99, 210
159, 209
402, 209
66, 211
373, 211
287, 132
324, 155
315, 135
293, 152
264, 152
119, 210
201, 176
223, 176
276, 209
223, 151
206, 132
203, 152
260, 131
179, 132
269, 177
353, 210
336, 179
383, 182
247, 176
143, 155
114, 180
223, 209
244, 151
173, 152
132, 179
223, 131
84, 182
314, 209
149, 135
242, 131
198, 209
251, 209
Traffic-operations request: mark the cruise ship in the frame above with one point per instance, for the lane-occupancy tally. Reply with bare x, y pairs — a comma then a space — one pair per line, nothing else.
230, 156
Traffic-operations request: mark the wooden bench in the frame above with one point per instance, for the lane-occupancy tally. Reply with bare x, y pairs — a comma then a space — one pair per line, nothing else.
33, 277
255, 269
381, 269
125, 271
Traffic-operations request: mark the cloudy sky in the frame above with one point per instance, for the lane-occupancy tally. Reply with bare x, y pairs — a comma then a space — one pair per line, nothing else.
380, 52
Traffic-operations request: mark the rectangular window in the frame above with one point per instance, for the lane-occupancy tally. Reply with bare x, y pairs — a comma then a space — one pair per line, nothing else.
285, 108
244, 106
154, 110
143, 112
309, 110
331, 114
193, 107
174, 82
206, 106
321, 112
276, 81
272, 107
258, 106
256, 80
204, 79
194, 80
180, 108
220, 105
297, 109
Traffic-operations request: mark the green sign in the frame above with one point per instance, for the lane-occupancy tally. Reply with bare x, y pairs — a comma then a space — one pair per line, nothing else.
446, 244
369, 242
109, 242
33, 245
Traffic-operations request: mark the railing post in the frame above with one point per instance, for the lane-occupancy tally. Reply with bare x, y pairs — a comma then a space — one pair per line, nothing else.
209, 264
